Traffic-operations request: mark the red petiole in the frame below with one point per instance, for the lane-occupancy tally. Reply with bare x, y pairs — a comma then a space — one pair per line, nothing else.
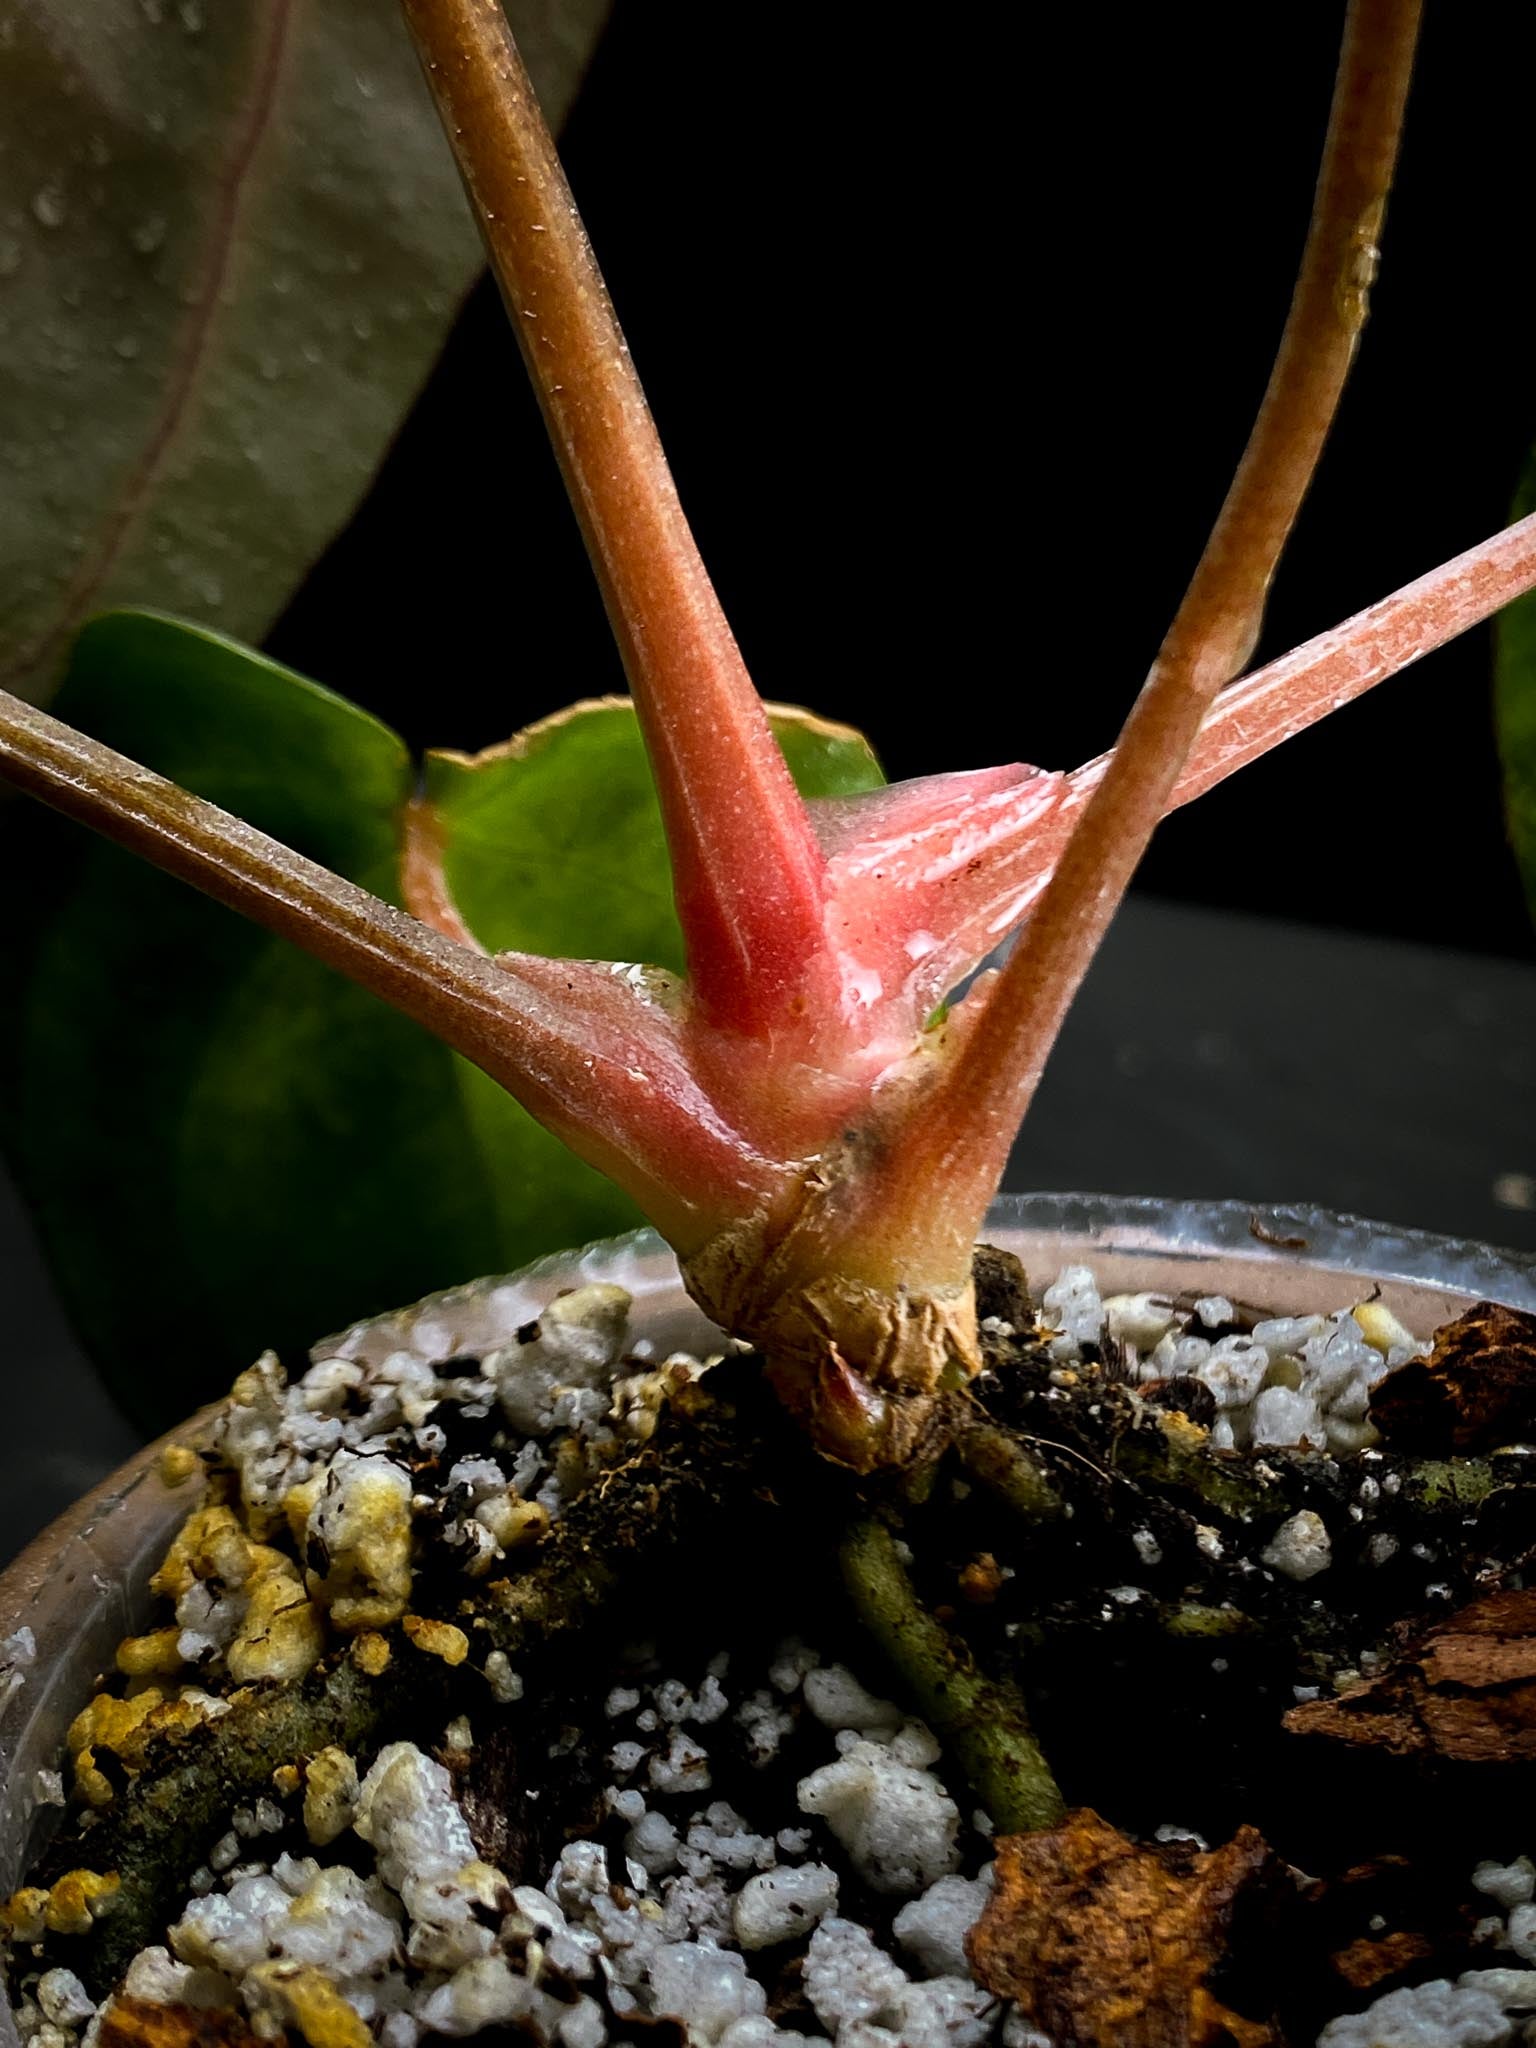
819, 1147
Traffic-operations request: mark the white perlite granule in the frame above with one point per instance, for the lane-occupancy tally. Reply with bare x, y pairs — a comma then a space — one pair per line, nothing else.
63, 1999
1511, 1884
1139, 1320
862, 1996
838, 1700
1299, 1548
351, 1429
1072, 1307
897, 1823
690, 1921
1291, 1381
1436, 2015
933, 1927
778, 1905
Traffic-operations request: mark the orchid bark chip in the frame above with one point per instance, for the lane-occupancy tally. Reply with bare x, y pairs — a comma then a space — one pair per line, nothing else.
1108, 1944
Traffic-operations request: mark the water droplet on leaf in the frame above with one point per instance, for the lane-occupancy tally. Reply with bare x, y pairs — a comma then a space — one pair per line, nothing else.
49, 206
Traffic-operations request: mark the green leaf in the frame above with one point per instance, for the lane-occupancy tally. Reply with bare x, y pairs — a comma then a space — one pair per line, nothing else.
226, 1146
573, 795
1515, 708
234, 243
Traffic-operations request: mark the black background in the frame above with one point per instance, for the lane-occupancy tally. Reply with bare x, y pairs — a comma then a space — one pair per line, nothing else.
954, 338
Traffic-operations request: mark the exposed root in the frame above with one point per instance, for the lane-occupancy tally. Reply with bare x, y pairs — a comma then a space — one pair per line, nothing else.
163, 1820
983, 1720
1010, 1471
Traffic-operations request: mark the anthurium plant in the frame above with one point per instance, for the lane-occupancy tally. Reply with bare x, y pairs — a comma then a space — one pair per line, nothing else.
797, 1103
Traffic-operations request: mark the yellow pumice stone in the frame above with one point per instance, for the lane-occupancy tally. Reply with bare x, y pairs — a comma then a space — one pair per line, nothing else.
371, 1653
209, 1545
22, 1915
283, 1633
78, 1900
178, 1463
307, 1999
360, 1524
437, 1638
148, 1655
330, 1795
1381, 1329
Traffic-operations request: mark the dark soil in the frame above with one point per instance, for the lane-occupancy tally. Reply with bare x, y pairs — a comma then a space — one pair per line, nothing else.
1160, 1693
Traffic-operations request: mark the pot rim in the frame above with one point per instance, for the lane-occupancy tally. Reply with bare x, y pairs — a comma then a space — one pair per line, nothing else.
1259, 1232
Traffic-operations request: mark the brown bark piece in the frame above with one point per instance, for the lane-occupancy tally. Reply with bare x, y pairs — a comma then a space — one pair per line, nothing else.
981, 1580
141, 2023
1365, 1964
490, 1793
1002, 1288
1465, 1692
1107, 1943
1475, 1392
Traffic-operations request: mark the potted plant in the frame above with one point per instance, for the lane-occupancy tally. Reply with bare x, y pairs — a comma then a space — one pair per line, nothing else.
816, 1129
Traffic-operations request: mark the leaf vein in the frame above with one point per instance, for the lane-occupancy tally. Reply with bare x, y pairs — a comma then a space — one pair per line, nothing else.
191, 350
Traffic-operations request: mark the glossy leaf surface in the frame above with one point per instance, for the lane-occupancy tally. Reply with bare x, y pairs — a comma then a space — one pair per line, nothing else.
231, 245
